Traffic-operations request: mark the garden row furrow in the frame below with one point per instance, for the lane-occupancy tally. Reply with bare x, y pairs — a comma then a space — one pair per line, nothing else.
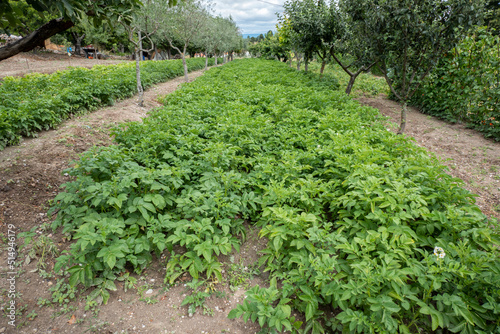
39, 102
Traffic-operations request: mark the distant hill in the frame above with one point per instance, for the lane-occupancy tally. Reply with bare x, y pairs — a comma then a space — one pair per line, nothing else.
251, 35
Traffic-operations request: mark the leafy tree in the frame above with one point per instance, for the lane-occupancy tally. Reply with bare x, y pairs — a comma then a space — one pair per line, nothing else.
57, 16
231, 38
27, 19
408, 37
271, 48
324, 29
183, 23
145, 23
308, 22
284, 37
206, 39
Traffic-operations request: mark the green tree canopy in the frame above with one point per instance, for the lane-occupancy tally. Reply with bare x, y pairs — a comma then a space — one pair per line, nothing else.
44, 18
408, 37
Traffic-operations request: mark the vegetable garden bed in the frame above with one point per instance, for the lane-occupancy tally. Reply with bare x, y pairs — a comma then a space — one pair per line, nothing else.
359, 221
38, 102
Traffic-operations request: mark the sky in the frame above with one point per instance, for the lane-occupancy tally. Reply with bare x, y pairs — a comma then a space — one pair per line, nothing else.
251, 16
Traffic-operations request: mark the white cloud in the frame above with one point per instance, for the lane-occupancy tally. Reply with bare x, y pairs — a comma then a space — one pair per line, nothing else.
251, 16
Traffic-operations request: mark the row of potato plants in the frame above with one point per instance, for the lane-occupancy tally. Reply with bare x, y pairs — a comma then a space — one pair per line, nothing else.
465, 86
365, 231
38, 102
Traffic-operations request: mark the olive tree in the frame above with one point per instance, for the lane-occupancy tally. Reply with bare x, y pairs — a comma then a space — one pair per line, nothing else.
206, 39
183, 24
145, 23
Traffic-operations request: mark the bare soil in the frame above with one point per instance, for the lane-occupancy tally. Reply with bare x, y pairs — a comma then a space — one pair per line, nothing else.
47, 62
31, 175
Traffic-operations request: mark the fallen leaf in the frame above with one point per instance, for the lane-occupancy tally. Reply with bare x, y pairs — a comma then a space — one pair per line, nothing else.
72, 320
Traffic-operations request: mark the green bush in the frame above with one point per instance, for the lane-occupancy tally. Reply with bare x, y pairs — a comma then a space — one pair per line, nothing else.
465, 86
38, 102
365, 231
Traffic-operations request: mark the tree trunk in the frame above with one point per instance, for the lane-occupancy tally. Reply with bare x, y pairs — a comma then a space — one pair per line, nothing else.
306, 65
206, 60
140, 91
78, 42
403, 119
140, 44
34, 39
215, 59
323, 64
156, 53
298, 62
350, 84
183, 55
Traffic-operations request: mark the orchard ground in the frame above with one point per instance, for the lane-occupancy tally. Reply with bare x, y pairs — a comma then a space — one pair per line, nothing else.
30, 177
47, 62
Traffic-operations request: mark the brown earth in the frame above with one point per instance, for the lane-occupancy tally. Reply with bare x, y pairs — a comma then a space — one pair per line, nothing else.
30, 177
47, 62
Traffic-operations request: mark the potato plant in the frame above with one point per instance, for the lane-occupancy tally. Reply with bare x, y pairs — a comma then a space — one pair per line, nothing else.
38, 102
365, 231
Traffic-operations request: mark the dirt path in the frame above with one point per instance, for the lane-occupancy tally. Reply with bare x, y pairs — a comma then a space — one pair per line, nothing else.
466, 152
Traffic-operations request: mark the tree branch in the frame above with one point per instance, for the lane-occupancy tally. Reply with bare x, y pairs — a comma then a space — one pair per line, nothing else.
345, 68
384, 71
174, 47
32, 40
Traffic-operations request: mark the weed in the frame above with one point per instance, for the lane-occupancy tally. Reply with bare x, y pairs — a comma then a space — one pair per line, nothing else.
239, 274
43, 302
32, 315
65, 309
98, 327
129, 281
45, 275
62, 292
93, 306
42, 248
197, 298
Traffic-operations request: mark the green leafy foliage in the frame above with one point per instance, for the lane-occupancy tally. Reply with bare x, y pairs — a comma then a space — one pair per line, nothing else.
352, 212
38, 102
465, 86
366, 83
13, 16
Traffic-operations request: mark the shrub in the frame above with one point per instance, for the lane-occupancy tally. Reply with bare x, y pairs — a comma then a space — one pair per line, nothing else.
465, 86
